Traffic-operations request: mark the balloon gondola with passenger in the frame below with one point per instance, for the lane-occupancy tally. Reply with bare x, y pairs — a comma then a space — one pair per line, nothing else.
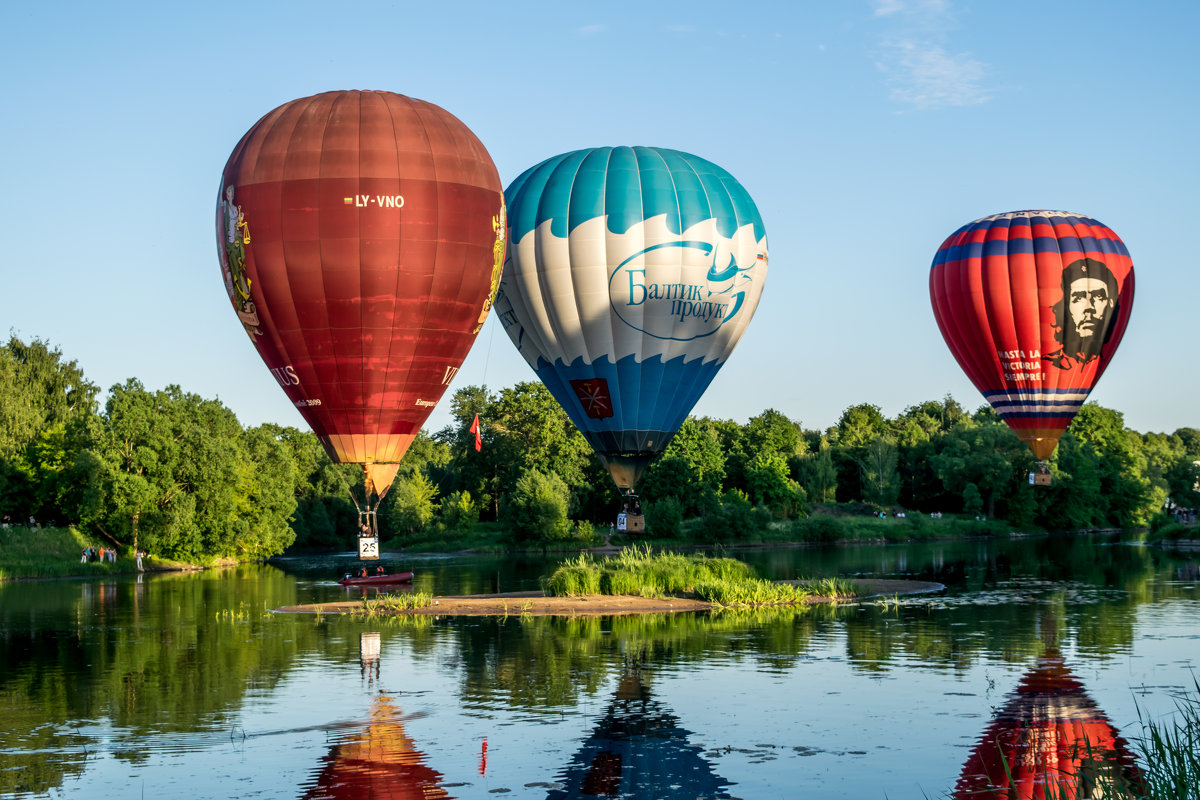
361, 239
631, 274
1033, 305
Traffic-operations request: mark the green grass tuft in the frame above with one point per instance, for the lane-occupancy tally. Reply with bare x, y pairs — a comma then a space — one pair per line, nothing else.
722, 581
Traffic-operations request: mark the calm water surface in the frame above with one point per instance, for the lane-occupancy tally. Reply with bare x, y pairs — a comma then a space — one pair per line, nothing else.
189, 686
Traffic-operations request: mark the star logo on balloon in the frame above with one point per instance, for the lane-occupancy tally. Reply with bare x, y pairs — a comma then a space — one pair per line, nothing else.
593, 394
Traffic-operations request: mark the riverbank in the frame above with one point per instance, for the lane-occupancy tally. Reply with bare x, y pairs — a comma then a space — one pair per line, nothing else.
38, 553
536, 604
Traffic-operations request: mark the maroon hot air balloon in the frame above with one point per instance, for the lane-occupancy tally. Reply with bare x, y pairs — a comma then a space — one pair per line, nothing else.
1033, 305
361, 239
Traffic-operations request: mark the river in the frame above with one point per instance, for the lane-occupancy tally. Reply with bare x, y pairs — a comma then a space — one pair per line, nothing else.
190, 686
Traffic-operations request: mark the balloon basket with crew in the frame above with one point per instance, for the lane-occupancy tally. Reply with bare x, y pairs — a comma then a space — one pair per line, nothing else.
1040, 475
377, 479
630, 519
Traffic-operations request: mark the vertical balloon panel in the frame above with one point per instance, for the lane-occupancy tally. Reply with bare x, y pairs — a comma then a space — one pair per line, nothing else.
632, 273
361, 238
1033, 304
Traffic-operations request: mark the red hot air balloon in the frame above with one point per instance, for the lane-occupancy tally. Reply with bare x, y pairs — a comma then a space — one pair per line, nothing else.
1033, 305
361, 239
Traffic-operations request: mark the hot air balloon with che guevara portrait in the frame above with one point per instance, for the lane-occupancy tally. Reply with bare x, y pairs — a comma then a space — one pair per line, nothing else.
1033, 304
361, 239
631, 274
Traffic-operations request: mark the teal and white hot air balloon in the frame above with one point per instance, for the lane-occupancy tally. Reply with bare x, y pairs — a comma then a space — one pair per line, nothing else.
630, 276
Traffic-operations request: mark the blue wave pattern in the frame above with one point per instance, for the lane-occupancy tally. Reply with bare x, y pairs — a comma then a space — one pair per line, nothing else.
629, 185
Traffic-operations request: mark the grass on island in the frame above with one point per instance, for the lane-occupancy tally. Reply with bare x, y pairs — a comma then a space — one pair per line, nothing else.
721, 581
374, 607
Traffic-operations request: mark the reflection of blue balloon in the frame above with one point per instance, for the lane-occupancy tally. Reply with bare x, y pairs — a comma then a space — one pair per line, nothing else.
631, 274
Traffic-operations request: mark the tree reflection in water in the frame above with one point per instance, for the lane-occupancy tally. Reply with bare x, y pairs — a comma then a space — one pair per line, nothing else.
1049, 741
638, 750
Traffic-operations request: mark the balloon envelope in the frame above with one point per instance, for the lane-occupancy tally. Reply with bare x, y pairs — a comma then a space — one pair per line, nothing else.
631, 274
1033, 305
361, 238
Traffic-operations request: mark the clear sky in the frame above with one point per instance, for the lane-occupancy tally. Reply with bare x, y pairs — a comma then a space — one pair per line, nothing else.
866, 131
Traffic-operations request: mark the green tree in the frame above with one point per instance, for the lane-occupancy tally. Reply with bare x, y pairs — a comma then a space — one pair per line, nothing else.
880, 480
858, 426
690, 470
46, 405
664, 518
176, 475
1128, 499
986, 455
410, 505
325, 515
769, 483
818, 475
536, 509
458, 513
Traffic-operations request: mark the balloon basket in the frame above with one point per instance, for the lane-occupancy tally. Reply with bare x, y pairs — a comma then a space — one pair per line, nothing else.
1040, 476
368, 536
631, 519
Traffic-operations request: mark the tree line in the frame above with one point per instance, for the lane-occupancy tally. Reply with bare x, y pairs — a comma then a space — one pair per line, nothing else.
177, 475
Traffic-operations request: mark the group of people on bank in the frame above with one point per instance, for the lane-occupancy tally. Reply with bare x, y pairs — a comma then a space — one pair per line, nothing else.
106, 555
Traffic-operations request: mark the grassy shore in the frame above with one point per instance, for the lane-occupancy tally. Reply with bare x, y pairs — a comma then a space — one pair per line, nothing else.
52, 553
724, 582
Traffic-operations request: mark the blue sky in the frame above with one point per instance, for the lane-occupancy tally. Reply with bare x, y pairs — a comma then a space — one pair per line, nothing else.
865, 131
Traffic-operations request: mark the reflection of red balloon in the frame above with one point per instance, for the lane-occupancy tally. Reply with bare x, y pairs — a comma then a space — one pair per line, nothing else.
1049, 741
361, 238
1033, 305
380, 763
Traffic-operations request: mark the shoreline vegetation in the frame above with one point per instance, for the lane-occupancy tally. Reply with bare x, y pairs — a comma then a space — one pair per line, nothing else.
178, 476
54, 552
635, 580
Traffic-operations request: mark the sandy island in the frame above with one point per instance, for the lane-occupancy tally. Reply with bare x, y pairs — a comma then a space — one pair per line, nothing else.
537, 604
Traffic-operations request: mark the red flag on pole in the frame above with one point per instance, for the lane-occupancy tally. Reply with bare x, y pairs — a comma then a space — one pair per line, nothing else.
475, 430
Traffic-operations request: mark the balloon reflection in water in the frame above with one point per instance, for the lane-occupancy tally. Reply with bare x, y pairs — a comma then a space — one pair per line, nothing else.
1049, 741
380, 762
638, 750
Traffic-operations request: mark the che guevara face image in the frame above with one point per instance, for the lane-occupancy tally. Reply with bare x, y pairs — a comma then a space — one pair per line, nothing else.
1083, 317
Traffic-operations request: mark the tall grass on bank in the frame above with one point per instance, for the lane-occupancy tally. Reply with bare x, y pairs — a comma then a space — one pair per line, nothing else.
639, 572
50, 553
1170, 752
1168, 763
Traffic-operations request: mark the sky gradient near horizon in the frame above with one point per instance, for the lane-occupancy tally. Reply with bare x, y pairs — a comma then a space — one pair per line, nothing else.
866, 131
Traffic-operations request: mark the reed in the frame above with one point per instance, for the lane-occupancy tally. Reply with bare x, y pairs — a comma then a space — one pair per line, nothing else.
640, 572
1170, 751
